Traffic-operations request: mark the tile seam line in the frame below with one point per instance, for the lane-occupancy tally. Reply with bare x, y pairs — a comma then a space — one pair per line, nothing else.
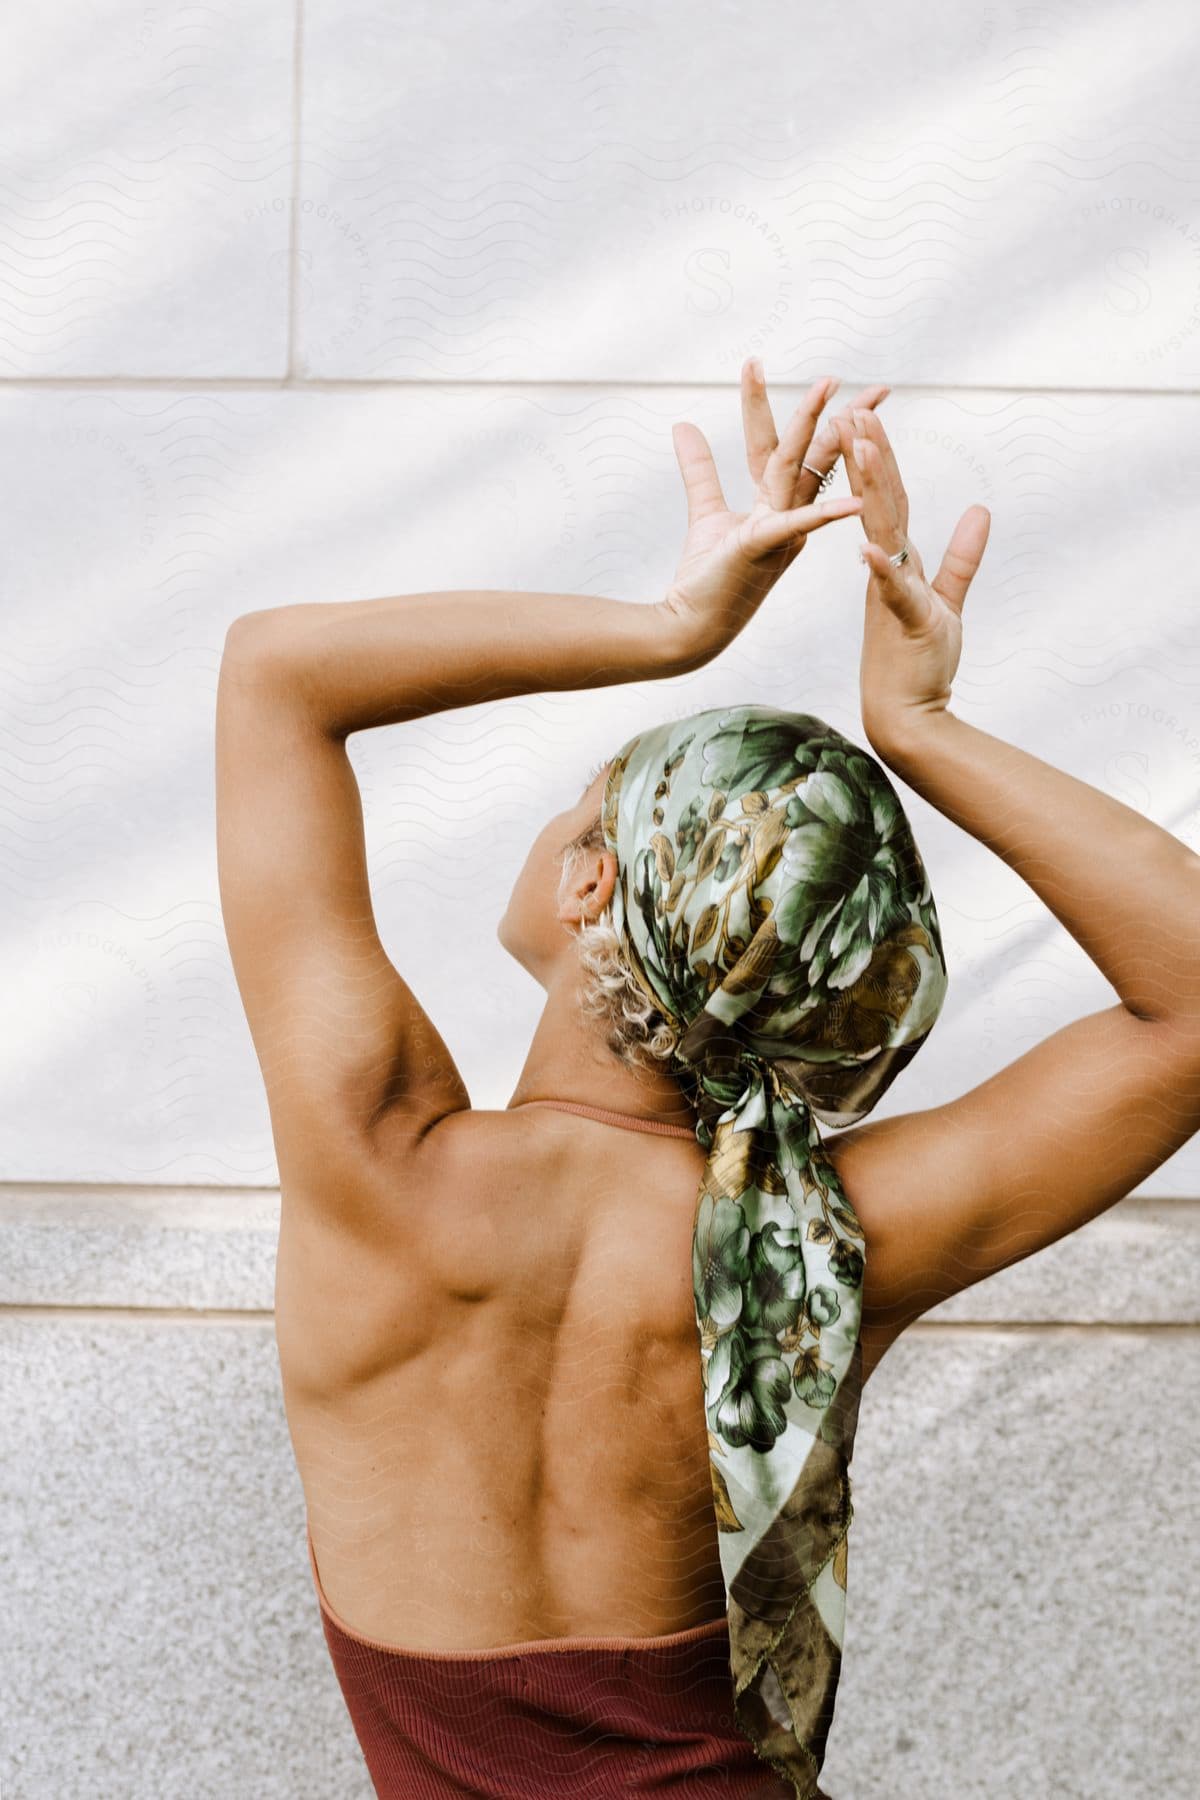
922, 1327
340, 384
16, 1188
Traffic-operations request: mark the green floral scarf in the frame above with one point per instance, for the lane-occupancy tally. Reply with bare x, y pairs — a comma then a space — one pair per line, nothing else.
772, 902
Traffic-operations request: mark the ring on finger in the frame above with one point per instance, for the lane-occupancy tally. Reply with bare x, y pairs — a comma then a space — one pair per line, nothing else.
824, 476
900, 556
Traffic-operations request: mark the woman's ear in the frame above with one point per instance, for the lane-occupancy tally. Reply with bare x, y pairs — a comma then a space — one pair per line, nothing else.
590, 888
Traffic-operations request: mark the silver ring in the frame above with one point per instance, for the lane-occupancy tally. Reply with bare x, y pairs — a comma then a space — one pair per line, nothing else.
824, 477
900, 556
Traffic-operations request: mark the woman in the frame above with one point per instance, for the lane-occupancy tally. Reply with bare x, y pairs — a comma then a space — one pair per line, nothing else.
529, 1498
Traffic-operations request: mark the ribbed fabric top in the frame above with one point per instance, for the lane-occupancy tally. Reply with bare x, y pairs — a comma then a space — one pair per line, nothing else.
608, 1117
548, 1719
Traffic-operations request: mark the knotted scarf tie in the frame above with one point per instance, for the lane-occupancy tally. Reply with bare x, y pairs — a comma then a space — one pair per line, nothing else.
772, 902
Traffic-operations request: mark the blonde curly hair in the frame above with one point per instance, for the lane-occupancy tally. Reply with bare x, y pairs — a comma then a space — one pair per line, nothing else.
639, 1034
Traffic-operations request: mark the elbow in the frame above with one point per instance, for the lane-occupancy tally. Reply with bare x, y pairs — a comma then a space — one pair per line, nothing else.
253, 632
268, 659
254, 649
1181, 1033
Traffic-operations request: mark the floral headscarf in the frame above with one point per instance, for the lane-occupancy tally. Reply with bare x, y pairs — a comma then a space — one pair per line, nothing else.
773, 904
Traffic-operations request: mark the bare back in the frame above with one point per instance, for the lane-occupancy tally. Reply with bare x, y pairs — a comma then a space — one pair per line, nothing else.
523, 1452
499, 1424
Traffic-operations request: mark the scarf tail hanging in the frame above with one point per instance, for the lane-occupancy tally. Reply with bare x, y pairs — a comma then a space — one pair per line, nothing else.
786, 1394
772, 902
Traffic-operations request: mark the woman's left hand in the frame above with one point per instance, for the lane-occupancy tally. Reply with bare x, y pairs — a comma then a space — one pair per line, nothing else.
732, 560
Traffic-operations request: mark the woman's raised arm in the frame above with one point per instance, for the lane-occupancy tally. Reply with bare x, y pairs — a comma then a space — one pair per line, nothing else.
1126, 890
952, 1194
358, 663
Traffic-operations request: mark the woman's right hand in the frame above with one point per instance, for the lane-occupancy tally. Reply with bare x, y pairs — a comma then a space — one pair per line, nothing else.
912, 635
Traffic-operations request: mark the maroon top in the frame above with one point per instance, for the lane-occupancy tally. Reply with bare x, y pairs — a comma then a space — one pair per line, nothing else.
551, 1719
555, 1719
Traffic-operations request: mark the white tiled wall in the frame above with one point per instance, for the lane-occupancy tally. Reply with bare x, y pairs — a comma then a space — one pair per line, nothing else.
318, 301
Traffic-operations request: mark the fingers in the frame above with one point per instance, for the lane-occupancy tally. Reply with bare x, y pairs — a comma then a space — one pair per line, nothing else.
875, 478
826, 447
902, 586
778, 467
964, 553
823, 452
868, 479
781, 472
770, 530
758, 424
700, 479
868, 425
